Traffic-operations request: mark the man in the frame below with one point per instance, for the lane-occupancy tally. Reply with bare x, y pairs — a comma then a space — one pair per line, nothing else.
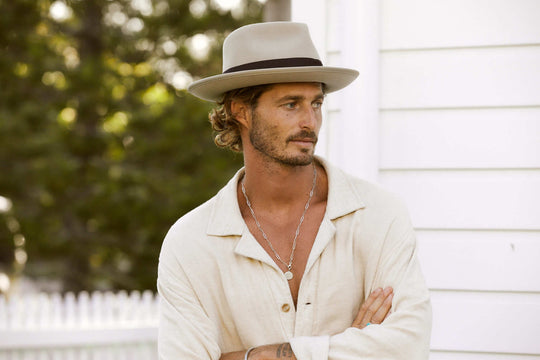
293, 259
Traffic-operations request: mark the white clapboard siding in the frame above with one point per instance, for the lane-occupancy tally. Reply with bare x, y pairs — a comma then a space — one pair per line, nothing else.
457, 136
481, 260
458, 23
469, 199
486, 77
463, 355
486, 322
460, 138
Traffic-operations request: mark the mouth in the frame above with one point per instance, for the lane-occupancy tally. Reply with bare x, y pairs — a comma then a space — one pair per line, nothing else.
304, 139
304, 142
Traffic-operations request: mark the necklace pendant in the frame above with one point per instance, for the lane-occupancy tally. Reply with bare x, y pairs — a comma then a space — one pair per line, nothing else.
288, 275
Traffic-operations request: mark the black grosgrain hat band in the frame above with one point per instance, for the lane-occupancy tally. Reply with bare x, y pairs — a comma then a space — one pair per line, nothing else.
276, 63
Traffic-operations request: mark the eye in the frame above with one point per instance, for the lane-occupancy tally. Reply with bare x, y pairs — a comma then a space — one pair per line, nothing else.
317, 104
290, 106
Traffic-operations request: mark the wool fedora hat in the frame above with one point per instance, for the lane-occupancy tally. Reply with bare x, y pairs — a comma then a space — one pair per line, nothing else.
270, 53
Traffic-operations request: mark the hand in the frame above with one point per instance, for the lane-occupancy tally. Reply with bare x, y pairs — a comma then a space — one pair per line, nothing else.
375, 309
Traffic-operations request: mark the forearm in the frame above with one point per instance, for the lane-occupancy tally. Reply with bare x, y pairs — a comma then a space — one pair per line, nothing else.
373, 311
265, 352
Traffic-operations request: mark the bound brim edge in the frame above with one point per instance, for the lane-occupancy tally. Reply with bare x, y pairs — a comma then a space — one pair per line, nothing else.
212, 88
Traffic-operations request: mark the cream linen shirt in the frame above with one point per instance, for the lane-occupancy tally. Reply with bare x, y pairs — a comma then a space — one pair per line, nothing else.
220, 291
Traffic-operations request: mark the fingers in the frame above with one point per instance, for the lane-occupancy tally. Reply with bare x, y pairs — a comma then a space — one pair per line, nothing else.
376, 312
375, 309
364, 308
385, 307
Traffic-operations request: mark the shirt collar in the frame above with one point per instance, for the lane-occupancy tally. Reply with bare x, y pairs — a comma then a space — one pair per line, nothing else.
226, 218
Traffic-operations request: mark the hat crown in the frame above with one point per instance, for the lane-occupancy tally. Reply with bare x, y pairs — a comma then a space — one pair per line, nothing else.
270, 53
267, 41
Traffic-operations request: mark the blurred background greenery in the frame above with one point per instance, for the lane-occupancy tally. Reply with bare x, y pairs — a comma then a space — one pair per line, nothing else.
101, 148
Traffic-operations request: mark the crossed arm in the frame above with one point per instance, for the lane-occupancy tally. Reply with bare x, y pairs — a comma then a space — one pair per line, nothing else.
373, 311
191, 326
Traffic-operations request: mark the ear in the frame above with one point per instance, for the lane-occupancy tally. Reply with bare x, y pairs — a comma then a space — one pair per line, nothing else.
241, 113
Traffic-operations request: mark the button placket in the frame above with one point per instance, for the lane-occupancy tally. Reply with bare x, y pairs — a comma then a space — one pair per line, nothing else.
283, 301
287, 315
304, 308
285, 308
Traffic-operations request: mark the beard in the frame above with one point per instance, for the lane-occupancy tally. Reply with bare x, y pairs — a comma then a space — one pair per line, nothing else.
267, 141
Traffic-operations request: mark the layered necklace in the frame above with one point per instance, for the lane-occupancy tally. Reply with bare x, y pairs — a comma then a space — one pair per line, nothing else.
288, 274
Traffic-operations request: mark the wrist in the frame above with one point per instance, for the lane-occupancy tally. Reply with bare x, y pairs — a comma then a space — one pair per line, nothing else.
246, 356
270, 352
264, 352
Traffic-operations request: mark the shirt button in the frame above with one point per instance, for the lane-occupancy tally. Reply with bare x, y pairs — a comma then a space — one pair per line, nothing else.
285, 307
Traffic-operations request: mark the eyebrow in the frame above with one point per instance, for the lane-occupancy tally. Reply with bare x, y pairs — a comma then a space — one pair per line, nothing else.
298, 98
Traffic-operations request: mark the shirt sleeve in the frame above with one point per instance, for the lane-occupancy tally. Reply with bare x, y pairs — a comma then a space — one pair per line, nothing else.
185, 330
405, 333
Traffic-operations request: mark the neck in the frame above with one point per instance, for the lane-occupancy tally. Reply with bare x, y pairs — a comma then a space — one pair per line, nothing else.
277, 185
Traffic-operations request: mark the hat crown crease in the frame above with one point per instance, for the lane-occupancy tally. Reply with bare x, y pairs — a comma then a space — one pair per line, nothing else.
266, 41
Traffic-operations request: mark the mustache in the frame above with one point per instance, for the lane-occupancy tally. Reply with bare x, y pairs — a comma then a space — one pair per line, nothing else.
304, 135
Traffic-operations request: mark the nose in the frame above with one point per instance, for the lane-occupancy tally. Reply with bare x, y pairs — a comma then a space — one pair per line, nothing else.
310, 118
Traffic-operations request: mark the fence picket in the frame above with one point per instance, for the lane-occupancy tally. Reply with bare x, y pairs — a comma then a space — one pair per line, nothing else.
97, 325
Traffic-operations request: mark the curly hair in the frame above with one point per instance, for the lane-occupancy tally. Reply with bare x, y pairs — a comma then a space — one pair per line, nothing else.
226, 127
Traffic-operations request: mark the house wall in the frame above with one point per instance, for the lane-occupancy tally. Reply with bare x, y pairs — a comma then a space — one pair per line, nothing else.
446, 113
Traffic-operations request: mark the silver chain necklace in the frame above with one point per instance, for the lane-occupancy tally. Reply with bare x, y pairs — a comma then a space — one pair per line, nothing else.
288, 274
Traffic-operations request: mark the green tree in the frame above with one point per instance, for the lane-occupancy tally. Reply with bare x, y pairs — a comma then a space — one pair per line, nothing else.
101, 149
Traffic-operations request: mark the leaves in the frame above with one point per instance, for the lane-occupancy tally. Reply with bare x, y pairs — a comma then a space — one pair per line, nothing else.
99, 152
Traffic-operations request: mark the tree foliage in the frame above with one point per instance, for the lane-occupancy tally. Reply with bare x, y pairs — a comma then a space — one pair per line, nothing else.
100, 148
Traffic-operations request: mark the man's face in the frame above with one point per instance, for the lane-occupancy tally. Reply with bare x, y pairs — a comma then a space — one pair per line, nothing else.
286, 122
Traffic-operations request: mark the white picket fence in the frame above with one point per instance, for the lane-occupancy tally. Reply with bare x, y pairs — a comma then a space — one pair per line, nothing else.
75, 327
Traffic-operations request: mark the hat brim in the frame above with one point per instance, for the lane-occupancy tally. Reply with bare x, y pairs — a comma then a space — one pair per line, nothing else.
212, 88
